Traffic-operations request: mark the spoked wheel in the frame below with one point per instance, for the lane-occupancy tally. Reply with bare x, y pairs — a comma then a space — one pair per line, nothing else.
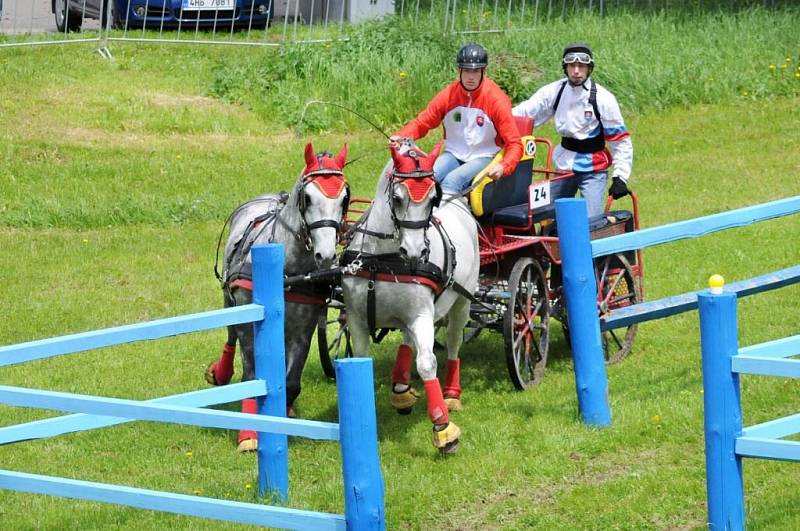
617, 287
526, 326
339, 345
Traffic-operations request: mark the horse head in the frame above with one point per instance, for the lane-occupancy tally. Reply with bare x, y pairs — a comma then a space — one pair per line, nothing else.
414, 193
323, 199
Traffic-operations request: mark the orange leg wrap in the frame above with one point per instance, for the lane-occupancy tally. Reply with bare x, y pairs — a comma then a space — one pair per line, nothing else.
452, 382
223, 367
401, 372
437, 409
248, 406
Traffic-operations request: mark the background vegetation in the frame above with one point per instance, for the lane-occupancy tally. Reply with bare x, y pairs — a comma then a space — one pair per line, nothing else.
115, 177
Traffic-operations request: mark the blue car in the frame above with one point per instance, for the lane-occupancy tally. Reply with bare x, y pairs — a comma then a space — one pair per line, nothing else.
155, 14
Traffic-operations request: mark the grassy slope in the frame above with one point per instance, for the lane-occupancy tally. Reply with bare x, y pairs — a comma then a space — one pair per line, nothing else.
181, 160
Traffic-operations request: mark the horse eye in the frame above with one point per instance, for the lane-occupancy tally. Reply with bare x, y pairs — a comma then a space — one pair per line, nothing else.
308, 199
398, 200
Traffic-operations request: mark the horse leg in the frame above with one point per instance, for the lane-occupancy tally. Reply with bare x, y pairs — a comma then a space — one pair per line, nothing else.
457, 320
220, 372
403, 395
445, 433
248, 439
299, 325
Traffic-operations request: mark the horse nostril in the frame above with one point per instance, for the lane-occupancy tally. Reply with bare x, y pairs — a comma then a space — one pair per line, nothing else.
425, 254
403, 252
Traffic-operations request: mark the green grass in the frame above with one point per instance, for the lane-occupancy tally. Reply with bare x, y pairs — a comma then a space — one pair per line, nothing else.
115, 178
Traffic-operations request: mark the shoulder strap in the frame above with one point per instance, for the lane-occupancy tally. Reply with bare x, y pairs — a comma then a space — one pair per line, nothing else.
558, 96
593, 101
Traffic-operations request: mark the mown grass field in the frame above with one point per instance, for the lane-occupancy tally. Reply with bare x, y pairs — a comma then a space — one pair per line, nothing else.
115, 178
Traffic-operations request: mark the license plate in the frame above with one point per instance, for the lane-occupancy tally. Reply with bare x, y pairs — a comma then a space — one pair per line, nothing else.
539, 194
208, 5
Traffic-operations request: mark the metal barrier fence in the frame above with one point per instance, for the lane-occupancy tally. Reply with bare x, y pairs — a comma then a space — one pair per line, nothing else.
274, 22
356, 430
580, 290
726, 441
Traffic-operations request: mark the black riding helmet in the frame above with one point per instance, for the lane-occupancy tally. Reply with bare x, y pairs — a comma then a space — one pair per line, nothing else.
472, 57
577, 52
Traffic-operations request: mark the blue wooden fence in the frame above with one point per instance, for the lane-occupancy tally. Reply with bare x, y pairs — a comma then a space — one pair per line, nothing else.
725, 440
356, 430
580, 290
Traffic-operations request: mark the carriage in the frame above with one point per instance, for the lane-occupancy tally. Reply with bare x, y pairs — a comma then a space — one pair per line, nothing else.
520, 286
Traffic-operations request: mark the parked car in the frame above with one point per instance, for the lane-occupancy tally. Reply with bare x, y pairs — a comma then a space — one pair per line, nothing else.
155, 14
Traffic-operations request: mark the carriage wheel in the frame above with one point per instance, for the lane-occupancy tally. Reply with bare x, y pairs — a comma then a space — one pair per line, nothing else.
526, 324
339, 346
617, 287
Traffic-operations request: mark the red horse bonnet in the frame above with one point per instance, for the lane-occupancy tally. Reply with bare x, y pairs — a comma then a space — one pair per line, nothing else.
325, 171
414, 169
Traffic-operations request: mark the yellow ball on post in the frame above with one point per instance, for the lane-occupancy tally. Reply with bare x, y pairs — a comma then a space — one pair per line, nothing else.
716, 282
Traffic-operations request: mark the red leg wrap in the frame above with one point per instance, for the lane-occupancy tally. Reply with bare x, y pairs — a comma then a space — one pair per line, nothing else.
401, 372
223, 368
437, 409
452, 382
248, 406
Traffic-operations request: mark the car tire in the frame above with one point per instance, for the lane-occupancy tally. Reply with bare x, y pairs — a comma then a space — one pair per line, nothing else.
66, 21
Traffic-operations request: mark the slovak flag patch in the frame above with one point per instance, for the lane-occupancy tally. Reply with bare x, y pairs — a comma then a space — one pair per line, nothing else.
479, 121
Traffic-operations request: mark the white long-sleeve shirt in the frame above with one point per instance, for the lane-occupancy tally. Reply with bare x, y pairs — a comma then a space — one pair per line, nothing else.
575, 118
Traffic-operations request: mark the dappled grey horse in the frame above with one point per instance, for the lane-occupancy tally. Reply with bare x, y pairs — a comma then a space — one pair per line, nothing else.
419, 265
307, 222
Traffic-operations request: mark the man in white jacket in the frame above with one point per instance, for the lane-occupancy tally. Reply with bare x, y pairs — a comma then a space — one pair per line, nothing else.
587, 117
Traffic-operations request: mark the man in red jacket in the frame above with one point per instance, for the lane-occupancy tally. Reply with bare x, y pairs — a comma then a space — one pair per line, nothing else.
476, 117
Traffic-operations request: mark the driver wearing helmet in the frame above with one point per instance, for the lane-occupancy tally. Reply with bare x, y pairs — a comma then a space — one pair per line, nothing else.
588, 118
476, 117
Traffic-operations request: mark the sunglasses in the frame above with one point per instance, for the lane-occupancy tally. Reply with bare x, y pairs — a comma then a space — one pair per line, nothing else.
577, 57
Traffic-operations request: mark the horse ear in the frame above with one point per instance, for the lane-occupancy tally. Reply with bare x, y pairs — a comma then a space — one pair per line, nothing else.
396, 157
311, 157
341, 158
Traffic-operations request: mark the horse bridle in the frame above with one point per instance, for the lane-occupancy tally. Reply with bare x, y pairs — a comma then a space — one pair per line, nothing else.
304, 234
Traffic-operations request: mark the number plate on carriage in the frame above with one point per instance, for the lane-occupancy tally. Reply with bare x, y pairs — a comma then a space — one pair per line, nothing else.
207, 5
539, 194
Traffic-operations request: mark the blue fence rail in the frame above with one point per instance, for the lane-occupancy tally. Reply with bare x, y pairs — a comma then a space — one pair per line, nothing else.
580, 290
725, 440
356, 430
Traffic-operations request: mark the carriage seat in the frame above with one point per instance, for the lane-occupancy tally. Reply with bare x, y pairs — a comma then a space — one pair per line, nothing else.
488, 196
517, 215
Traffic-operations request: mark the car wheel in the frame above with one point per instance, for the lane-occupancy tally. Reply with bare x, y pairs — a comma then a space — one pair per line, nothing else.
67, 20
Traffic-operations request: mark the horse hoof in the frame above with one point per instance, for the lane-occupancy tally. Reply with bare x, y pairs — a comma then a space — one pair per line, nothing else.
404, 402
449, 448
248, 445
446, 439
290, 412
211, 376
454, 404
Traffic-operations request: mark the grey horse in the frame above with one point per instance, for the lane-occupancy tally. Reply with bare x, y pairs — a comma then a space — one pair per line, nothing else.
307, 222
420, 265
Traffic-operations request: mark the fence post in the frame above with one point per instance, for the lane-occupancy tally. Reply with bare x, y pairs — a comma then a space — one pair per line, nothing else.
722, 410
580, 292
270, 365
361, 467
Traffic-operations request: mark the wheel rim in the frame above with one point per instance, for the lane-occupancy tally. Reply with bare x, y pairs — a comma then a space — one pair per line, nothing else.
60, 12
338, 347
526, 324
617, 287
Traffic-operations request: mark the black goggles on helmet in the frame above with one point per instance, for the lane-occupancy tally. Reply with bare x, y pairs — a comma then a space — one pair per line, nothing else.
577, 57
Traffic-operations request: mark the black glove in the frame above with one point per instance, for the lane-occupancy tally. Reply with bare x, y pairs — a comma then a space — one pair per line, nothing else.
618, 188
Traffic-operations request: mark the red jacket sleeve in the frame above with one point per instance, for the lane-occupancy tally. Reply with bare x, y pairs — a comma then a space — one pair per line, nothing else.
507, 131
429, 118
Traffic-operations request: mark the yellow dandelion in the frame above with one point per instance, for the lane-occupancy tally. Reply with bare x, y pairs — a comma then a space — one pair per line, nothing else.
198, 492
85, 240
797, 75
656, 419
784, 66
178, 156
189, 453
745, 93
248, 486
403, 75
772, 67
788, 59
